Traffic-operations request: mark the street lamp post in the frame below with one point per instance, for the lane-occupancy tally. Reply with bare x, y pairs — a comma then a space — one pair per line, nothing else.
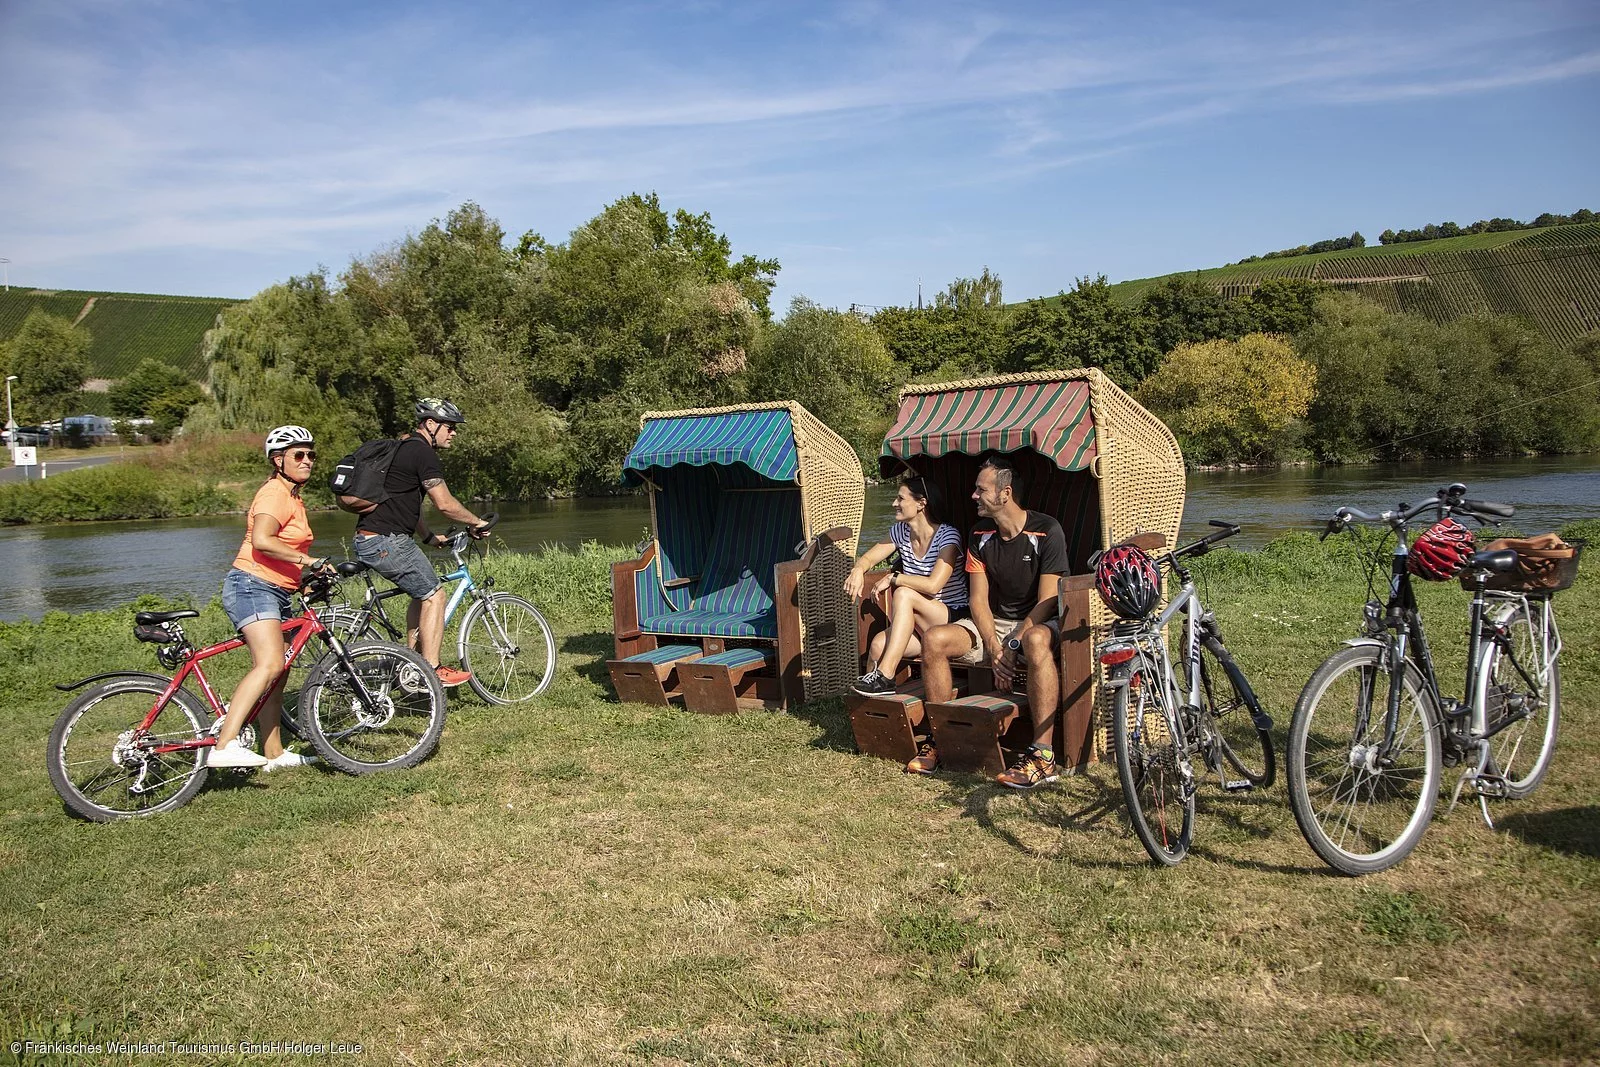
11, 424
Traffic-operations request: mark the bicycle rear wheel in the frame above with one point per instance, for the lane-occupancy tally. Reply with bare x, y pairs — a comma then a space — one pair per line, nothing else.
1523, 748
398, 728
1360, 810
1231, 704
105, 771
1150, 765
509, 649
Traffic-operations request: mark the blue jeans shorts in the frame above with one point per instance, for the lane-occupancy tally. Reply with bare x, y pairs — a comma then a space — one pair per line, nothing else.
397, 558
248, 599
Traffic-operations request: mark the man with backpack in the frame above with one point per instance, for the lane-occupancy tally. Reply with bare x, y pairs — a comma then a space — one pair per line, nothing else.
384, 530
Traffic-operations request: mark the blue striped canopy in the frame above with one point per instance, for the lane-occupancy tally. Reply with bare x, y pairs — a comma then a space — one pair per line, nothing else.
761, 440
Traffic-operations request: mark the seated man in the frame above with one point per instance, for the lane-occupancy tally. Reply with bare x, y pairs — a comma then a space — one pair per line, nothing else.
1015, 560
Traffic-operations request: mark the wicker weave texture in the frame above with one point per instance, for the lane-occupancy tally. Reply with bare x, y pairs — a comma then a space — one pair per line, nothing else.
832, 493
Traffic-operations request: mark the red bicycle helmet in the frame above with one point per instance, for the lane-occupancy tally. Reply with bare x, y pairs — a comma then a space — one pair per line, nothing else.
1440, 551
1127, 580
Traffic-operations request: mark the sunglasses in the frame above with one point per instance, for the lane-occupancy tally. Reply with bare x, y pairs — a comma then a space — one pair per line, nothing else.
303, 453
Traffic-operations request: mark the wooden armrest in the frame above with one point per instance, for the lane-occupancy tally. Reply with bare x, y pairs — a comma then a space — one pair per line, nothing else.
676, 583
1150, 540
827, 537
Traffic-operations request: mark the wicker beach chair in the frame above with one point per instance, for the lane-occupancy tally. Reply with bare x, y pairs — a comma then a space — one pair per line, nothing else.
1086, 453
737, 598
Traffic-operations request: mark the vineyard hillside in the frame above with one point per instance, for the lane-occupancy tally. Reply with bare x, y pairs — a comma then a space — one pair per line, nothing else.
124, 327
1550, 276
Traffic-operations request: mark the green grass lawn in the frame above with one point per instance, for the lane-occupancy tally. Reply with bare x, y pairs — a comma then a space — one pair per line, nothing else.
582, 881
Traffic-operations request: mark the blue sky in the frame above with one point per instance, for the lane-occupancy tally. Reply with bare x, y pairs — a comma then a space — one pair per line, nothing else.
214, 148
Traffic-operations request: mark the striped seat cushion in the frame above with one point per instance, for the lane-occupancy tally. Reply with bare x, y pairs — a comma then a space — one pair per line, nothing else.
755, 529
738, 657
665, 654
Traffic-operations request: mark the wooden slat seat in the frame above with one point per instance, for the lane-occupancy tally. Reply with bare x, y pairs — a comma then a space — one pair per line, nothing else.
718, 684
649, 677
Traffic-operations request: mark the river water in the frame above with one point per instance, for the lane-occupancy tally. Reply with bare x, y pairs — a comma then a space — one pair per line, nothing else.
89, 566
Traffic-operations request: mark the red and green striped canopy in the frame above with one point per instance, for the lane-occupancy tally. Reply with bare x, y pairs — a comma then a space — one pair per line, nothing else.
1053, 418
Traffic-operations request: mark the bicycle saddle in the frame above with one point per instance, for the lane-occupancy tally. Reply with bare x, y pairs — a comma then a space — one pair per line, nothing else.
348, 567
1499, 561
151, 618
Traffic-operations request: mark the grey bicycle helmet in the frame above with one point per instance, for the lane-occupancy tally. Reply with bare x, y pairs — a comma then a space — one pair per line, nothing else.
431, 407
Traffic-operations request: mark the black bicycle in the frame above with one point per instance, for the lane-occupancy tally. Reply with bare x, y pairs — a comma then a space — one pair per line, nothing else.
1373, 730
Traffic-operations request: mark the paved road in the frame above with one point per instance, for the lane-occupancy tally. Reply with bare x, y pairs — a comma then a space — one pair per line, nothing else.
54, 466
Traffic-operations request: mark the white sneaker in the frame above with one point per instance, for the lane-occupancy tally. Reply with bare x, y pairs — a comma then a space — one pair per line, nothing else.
287, 760
234, 754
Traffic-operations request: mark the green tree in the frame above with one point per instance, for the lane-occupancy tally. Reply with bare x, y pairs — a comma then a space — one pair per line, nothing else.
968, 294
1183, 309
1281, 305
836, 365
1232, 401
1089, 328
50, 358
133, 395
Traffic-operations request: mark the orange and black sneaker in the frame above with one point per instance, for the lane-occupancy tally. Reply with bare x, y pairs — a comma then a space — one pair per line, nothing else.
1035, 767
926, 761
449, 677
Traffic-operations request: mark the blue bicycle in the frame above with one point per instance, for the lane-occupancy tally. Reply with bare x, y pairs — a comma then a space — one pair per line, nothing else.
504, 641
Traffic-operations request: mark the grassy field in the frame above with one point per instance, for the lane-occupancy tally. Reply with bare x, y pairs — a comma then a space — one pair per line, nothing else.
586, 882
1549, 275
124, 327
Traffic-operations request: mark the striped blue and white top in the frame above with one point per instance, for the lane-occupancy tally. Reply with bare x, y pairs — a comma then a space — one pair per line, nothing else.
954, 593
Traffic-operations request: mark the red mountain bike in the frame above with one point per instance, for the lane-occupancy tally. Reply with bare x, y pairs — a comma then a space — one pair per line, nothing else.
136, 743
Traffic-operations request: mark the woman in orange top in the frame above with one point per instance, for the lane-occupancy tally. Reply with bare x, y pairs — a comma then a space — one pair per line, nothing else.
255, 594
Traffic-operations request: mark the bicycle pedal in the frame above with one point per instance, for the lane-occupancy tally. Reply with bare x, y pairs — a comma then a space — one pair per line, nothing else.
1243, 785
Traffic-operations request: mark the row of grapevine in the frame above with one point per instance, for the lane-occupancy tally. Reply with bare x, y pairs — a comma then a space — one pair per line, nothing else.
124, 328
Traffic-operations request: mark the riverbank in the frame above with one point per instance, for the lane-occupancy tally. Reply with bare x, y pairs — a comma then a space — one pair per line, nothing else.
590, 882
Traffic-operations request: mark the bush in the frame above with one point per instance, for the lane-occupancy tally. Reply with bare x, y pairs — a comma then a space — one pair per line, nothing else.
114, 491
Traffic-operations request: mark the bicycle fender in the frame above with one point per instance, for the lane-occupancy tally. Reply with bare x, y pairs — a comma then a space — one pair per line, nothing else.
1358, 642
149, 676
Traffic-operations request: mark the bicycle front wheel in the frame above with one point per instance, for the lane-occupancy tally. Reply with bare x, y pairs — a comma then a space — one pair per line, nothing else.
383, 711
1362, 809
1230, 702
509, 649
105, 769
1521, 686
1157, 782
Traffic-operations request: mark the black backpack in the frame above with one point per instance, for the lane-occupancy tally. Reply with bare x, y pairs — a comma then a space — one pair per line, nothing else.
358, 479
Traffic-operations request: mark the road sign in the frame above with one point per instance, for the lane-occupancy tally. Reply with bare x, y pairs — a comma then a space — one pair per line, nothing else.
25, 456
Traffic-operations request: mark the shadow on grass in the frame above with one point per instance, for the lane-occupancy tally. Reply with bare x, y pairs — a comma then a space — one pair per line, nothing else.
832, 722
596, 648
1573, 831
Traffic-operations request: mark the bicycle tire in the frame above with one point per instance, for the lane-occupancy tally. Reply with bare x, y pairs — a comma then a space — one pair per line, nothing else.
96, 776
1329, 766
1499, 680
1235, 716
1150, 764
404, 728
509, 648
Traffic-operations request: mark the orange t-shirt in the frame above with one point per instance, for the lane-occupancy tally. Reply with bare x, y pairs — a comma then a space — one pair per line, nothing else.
294, 530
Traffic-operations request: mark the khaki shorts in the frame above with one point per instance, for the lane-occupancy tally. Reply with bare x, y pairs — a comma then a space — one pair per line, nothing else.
1003, 628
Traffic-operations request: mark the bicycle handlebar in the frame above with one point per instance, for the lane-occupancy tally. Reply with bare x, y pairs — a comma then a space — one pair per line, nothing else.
1224, 531
1451, 500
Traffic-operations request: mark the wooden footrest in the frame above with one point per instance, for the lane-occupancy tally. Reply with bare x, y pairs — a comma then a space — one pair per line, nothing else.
967, 730
716, 684
886, 726
648, 677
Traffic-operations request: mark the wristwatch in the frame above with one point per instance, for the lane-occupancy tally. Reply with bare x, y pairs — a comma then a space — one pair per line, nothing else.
1013, 644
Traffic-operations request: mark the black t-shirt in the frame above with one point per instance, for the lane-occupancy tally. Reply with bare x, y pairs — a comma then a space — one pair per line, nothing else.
1013, 567
414, 462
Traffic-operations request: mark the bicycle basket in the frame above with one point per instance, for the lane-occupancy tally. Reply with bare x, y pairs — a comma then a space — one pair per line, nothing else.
1545, 564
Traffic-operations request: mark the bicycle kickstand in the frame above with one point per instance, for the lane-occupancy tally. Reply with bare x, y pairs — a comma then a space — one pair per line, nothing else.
1474, 776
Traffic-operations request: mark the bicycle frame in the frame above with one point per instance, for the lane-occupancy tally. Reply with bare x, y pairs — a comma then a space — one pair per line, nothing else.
465, 587
1150, 639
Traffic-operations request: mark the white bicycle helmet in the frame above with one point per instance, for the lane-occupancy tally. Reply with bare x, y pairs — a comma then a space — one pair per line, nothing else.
284, 436
431, 407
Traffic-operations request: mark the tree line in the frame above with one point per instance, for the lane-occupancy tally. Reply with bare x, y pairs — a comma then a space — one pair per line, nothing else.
554, 350
1433, 231
1332, 244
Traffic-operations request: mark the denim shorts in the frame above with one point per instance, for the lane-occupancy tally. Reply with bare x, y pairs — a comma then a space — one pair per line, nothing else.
397, 558
249, 599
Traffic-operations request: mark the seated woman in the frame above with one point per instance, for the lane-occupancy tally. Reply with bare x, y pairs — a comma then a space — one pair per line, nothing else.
929, 588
